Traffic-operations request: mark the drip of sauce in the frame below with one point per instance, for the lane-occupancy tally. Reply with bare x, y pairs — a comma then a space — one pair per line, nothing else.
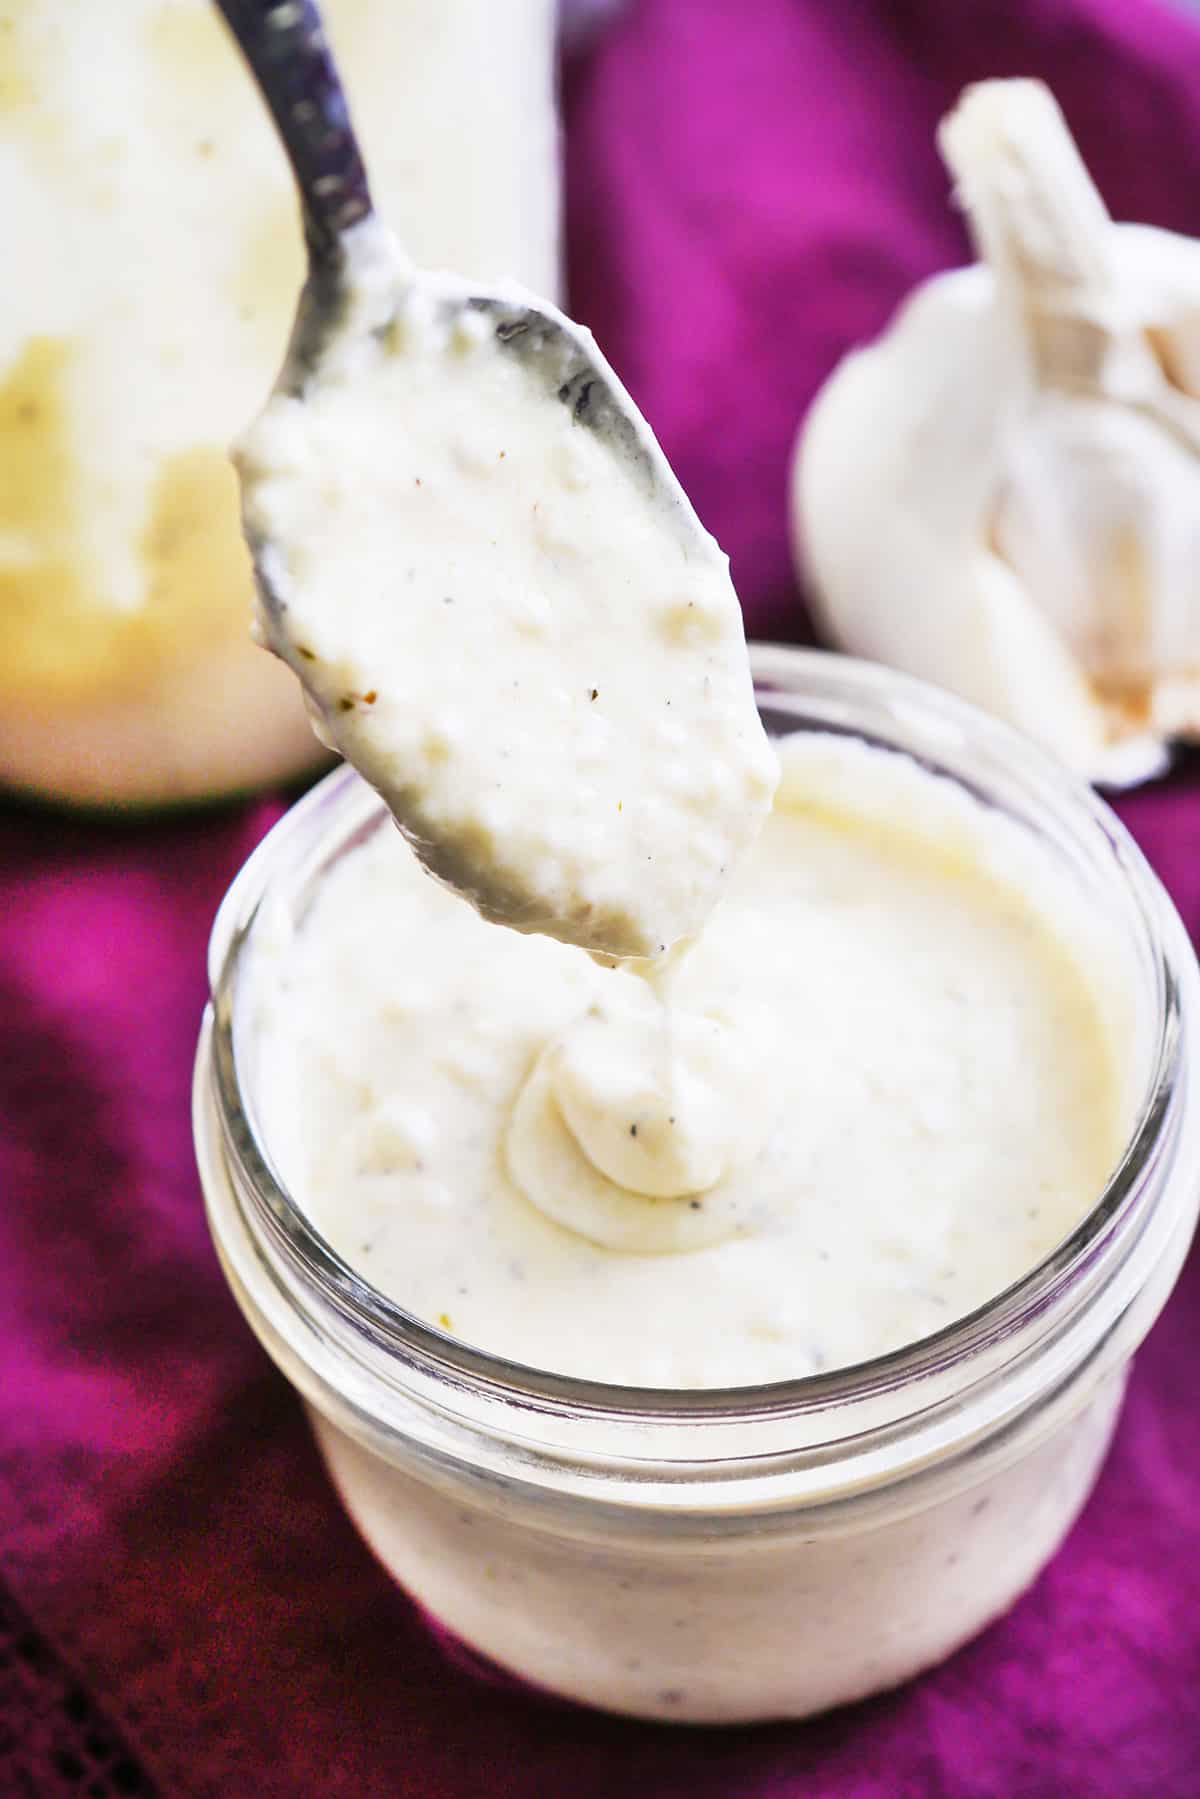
644, 1099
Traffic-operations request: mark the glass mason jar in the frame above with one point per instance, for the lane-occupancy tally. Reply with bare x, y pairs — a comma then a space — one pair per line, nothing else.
160, 261
759, 1552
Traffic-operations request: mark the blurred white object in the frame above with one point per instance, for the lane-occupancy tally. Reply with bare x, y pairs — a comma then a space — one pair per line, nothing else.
160, 259
1003, 493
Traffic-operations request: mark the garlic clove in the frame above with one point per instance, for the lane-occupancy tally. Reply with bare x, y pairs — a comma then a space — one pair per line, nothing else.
903, 578
1038, 686
1098, 502
880, 532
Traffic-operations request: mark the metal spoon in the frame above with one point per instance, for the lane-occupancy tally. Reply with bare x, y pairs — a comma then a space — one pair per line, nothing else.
285, 45
539, 889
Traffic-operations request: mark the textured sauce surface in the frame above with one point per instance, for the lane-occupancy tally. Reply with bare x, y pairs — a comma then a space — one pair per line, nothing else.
936, 1102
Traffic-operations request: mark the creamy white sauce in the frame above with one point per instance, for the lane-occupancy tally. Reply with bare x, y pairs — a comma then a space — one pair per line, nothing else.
535, 654
882, 1088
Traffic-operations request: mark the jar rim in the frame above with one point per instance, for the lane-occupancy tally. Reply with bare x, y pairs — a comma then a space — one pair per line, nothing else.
842, 688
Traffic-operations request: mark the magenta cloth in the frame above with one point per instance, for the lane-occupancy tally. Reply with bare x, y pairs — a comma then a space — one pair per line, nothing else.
184, 1609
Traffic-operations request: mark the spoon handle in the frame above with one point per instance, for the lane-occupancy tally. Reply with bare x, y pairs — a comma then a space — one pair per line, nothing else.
284, 43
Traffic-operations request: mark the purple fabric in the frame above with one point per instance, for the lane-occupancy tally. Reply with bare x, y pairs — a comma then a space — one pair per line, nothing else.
183, 1607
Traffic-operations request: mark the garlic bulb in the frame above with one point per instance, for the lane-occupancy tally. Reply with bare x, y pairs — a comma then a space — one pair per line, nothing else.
1002, 494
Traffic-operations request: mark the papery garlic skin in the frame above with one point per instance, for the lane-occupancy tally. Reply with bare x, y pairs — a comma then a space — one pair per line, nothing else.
1002, 495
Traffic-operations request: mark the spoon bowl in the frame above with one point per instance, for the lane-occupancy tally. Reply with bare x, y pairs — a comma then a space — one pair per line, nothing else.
458, 515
